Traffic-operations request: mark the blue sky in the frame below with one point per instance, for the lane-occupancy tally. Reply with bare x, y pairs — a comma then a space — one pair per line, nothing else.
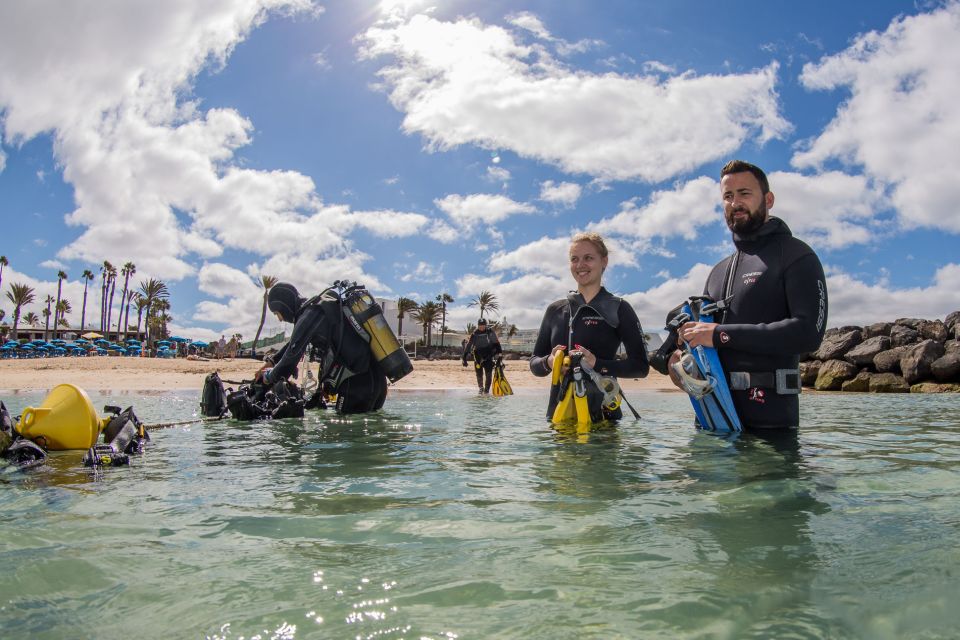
428, 147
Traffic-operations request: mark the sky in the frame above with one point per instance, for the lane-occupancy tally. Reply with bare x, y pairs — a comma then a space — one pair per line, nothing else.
454, 147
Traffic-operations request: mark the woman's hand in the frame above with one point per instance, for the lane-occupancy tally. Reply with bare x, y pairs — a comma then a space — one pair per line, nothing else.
587, 356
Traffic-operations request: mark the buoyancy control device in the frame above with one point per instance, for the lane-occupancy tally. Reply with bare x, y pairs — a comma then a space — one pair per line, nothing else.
365, 315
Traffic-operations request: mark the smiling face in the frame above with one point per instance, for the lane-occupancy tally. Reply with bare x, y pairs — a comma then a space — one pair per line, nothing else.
586, 263
745, 206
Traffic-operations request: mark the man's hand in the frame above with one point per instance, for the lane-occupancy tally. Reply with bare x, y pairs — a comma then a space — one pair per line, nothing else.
697, 333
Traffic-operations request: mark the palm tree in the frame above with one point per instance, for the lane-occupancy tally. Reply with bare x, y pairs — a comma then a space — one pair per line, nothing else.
404, 306
31, 319
46, 314
3, 262
471, 328
61, 276
135, 298
444, 299
113, 288
127, 270
63, 308
266, 282
105, 272
486, 301
20, 295
426, 315
152, 291
86, 277
141, 303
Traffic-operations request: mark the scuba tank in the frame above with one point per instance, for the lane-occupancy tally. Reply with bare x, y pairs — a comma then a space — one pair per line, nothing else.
366, 317
123, 435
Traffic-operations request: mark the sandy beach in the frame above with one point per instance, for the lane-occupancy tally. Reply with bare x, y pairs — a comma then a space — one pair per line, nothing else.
151, 374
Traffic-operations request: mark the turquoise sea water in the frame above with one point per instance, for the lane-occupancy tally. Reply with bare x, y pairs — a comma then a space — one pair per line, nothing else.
449, 515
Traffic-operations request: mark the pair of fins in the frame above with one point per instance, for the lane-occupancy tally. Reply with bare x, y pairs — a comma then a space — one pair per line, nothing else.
499, 385
573, 406
702, 375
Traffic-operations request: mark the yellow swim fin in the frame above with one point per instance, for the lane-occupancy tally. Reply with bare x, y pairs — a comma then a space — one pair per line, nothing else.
500, 386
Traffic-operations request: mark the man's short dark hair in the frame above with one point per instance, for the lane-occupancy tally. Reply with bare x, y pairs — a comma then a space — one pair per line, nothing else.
740, 166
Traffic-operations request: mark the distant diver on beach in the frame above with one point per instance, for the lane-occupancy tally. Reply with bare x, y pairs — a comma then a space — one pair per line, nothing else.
484, 347
773, 306
345, 329
579, 338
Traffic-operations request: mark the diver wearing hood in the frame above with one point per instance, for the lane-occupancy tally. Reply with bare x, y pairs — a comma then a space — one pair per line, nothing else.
485, 347
318, 324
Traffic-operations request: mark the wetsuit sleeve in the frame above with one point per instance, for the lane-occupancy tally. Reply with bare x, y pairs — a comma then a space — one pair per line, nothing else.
307, 324
635, 365
468, 349
539, 361
805, 289
278, 356
497, 347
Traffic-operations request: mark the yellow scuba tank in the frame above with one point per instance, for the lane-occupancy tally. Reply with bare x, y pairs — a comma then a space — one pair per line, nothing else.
367, 318
66, 419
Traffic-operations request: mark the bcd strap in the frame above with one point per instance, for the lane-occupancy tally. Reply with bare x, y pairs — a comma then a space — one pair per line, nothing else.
785, 381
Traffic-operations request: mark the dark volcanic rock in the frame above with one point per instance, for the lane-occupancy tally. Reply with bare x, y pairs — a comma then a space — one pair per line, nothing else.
888, 383
860, 383
809, 371
838, 344
889, 361
901, 335
862, 355
947, 367
916, 361
934, 330
877, 329
913, 323
833, 374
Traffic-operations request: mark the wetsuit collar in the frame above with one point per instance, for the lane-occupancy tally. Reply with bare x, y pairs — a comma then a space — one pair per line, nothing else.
772, 227
604, 303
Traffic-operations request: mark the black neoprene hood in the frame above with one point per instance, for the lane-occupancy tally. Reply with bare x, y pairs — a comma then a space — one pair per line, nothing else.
284, 299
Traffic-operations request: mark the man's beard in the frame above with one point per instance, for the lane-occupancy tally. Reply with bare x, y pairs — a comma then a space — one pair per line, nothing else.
754, 220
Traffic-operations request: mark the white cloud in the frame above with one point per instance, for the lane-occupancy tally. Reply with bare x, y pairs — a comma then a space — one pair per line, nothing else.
443, 232
669, 214
563, 193
655, 66
223, 281
480, 208
828, 209
854, 302
465, 82
498, 174
901, 121
423, 272
522, 300
550, 256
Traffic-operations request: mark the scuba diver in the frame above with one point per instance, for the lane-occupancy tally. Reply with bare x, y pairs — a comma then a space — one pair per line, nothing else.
345, 329
579, 338
485, 347
771, 299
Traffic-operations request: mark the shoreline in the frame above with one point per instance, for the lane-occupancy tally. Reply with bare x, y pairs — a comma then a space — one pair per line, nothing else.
146, 375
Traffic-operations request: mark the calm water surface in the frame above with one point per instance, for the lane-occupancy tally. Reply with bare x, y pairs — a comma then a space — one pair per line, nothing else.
457, 516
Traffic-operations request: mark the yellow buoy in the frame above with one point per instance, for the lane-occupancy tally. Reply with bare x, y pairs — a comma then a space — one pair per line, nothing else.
66, 419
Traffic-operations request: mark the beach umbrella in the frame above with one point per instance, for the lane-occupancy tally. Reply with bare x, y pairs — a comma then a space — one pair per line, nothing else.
179, 339
82, 341
132, 341
199, 343
166, 342
91, 336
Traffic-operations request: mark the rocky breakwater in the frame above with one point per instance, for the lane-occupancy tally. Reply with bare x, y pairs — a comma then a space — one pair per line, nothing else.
908, 355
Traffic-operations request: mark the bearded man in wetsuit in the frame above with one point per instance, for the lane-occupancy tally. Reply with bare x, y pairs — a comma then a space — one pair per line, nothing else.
777, 306
485, 346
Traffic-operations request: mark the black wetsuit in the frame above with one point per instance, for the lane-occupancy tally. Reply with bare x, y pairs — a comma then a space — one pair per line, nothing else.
601, 326
778, 311
485, 346
349, 370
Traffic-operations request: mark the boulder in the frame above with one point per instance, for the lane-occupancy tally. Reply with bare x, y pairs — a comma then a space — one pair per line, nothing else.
877, 329
951, 320
889, 361
838, 344
901, 335
951, 346
836, 331
860, 383
913, 323
809, 371
947, 367
833, 374
888, 383
916, 360
935, 387
863, 354
934, 330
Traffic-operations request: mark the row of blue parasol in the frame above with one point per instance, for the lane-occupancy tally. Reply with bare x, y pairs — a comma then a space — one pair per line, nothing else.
40, 348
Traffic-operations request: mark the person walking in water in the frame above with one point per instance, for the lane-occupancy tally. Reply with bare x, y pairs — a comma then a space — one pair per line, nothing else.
484, 346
